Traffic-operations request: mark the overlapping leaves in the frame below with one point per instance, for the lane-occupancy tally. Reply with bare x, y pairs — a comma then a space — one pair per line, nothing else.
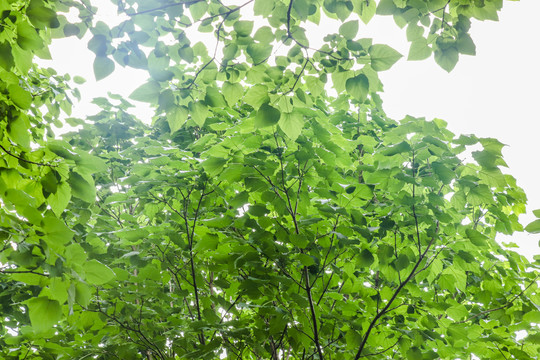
258, 217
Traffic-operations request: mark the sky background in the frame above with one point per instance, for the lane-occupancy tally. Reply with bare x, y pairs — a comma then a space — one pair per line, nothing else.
493, 94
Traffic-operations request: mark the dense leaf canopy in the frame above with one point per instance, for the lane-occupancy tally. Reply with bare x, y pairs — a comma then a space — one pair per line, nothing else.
270, 211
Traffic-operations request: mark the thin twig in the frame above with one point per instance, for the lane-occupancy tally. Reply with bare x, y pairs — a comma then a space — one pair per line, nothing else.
24, 160
508, 304
394, 296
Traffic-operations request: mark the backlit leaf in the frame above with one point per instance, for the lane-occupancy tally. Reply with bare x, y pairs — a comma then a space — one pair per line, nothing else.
147, 92
383, 57
358, 87
267, 116
291, 124
96, 273
27, 37
349, 29
447, 59
44, 313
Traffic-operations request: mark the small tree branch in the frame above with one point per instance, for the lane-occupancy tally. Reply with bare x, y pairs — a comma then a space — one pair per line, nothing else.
394, 296
24, 160
508, 304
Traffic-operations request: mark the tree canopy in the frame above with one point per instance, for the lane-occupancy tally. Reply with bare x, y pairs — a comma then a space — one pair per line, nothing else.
270, 211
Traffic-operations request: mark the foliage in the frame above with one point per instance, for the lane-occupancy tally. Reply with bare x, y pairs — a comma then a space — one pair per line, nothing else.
258, 216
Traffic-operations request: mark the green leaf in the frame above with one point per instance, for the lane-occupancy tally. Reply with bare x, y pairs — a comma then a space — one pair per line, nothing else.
533, 227
263, 7
177, 118
358, 87
443, 172
75, 254
98, 45
214, 165
148, 92
198, 9
299, 240
456, 278
57, 234
81, 187
402, 262
256, 96
306, 260
291, 124
419, 50
476, 237
264, 35
447, 59
19, 96
214, 98
59, 200
96, 273
43, 313
383, 57
386, 7
18, 131
257, 210
397, 149
208, 242
367, 10
199, 113
243, 28
71, 30
465, 44
232, 92
349, 29
258, 52
83, 294
266, 116
366, 258
79, 80
415, 32
186, 53
27, 37
480, 195
41, 16
6, 56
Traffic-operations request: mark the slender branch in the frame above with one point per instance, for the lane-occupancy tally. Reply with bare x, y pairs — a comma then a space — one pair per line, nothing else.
303, 46
313, 315
394, 296
218, 31
325, 288
110, 213
23, 272
413, 207
192, 260
24, 160
508, 304
498, 348
383, 351
143, 339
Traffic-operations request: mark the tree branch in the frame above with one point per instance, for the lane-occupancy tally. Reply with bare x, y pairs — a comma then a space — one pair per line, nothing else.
24, 160
394, 296
508, 304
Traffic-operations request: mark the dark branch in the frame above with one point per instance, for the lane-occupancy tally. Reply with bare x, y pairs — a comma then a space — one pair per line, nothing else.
24, 160
394, 296
508, 304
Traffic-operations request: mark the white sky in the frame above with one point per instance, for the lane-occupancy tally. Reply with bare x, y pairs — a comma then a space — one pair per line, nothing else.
492, 94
